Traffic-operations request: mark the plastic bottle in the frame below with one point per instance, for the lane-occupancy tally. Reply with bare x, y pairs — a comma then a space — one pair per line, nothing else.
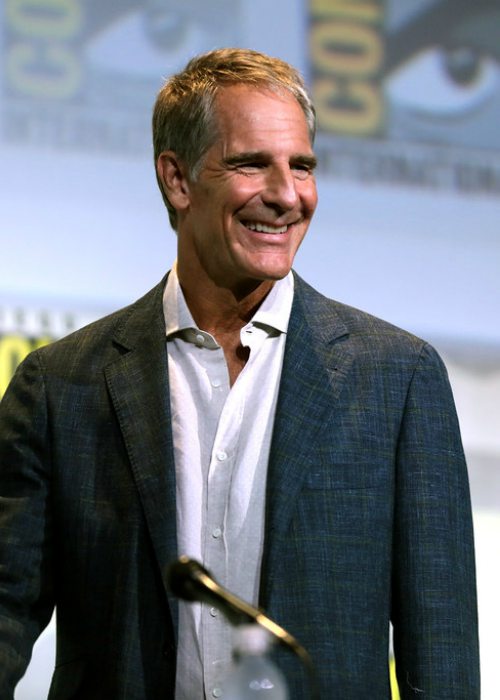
253, 674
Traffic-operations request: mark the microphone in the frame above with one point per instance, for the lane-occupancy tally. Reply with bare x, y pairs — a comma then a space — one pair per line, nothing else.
189, 580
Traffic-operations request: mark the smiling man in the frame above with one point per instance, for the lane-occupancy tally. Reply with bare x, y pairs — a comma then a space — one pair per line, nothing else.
306, 453
241, 220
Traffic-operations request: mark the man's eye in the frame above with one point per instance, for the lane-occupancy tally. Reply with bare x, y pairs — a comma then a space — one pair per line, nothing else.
250, 166
301, 170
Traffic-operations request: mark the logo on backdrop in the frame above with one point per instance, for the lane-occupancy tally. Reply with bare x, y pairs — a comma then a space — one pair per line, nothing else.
408, 92
26, 326
83, 74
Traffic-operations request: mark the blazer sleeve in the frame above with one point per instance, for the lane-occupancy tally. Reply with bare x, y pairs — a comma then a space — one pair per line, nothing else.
434, 612
26, 600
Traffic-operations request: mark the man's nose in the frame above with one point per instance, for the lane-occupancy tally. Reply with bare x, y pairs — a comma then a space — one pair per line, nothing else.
280, 191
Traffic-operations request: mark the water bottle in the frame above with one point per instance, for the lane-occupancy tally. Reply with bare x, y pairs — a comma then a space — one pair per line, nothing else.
253, 675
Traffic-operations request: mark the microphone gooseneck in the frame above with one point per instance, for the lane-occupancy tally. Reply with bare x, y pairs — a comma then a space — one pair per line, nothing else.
189, 580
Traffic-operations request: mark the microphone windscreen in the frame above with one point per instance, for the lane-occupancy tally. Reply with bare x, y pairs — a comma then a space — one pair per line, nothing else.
182, 578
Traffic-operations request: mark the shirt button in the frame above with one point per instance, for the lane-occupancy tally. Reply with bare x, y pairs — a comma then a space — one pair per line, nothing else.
213, 612
216, 532
200, 340
216, 383
217, 692
221, 456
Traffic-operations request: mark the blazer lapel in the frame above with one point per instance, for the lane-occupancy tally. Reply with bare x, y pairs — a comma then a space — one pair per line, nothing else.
138, 385
314, 369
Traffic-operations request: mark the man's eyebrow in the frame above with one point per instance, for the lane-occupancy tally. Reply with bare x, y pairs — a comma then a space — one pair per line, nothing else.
309, 161
246, 157
263, 156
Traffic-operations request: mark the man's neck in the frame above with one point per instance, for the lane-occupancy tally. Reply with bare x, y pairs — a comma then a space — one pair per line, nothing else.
222, 309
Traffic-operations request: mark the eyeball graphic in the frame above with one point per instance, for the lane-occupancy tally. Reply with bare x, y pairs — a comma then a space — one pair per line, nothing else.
439, 82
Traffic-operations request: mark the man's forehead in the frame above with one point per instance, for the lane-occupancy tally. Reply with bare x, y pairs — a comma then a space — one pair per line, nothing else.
255, 104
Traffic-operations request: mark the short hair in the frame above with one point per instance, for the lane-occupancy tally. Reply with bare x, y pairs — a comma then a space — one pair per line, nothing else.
184, 113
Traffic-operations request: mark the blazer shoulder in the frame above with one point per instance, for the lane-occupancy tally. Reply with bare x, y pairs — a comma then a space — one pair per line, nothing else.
362, 330
104, 339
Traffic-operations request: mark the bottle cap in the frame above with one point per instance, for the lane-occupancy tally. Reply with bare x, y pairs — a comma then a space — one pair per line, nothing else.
251, 639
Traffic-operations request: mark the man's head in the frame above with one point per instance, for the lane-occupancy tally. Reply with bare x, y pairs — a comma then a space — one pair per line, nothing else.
184, 118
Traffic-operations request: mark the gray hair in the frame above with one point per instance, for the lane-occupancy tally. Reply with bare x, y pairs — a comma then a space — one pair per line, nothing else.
184, 113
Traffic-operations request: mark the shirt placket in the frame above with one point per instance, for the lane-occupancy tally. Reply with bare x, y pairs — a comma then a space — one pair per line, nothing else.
216, 635
216, 554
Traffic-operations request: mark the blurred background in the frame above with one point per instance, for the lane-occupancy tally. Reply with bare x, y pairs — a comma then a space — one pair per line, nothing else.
408, 101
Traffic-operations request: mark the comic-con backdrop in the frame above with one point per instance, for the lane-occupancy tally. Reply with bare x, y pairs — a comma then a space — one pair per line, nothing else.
408, 103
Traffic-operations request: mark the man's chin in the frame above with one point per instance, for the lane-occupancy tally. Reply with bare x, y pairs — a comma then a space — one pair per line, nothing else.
271, 272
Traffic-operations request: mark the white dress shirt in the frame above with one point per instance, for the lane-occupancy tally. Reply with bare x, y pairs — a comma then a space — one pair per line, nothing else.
222, 437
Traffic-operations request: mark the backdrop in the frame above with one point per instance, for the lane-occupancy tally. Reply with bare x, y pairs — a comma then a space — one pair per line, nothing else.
408, 101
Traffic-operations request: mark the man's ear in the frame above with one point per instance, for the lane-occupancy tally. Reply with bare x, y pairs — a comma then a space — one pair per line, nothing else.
172, 175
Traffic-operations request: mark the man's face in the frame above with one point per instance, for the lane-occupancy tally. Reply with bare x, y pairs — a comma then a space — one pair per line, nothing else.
255, 195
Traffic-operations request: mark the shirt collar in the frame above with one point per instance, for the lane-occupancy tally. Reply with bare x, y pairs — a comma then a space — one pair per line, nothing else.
176, 311
274, 312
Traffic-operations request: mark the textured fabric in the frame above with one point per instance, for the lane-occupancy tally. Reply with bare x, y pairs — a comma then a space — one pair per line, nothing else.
222, 438
368, 514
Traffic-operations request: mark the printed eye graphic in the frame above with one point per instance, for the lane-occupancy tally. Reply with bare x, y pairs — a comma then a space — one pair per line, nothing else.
440, 82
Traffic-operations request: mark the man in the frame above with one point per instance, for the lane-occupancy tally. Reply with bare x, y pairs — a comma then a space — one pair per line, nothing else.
307, 453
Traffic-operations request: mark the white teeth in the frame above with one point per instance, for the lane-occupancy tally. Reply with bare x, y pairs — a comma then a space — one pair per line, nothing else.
262, 228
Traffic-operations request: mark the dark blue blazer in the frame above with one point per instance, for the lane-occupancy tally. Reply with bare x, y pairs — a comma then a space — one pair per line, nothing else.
368, 511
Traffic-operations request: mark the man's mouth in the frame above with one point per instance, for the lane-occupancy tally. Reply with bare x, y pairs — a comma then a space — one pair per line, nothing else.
265, 228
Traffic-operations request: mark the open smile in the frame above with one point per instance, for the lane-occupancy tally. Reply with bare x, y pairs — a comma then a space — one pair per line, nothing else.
265, 228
